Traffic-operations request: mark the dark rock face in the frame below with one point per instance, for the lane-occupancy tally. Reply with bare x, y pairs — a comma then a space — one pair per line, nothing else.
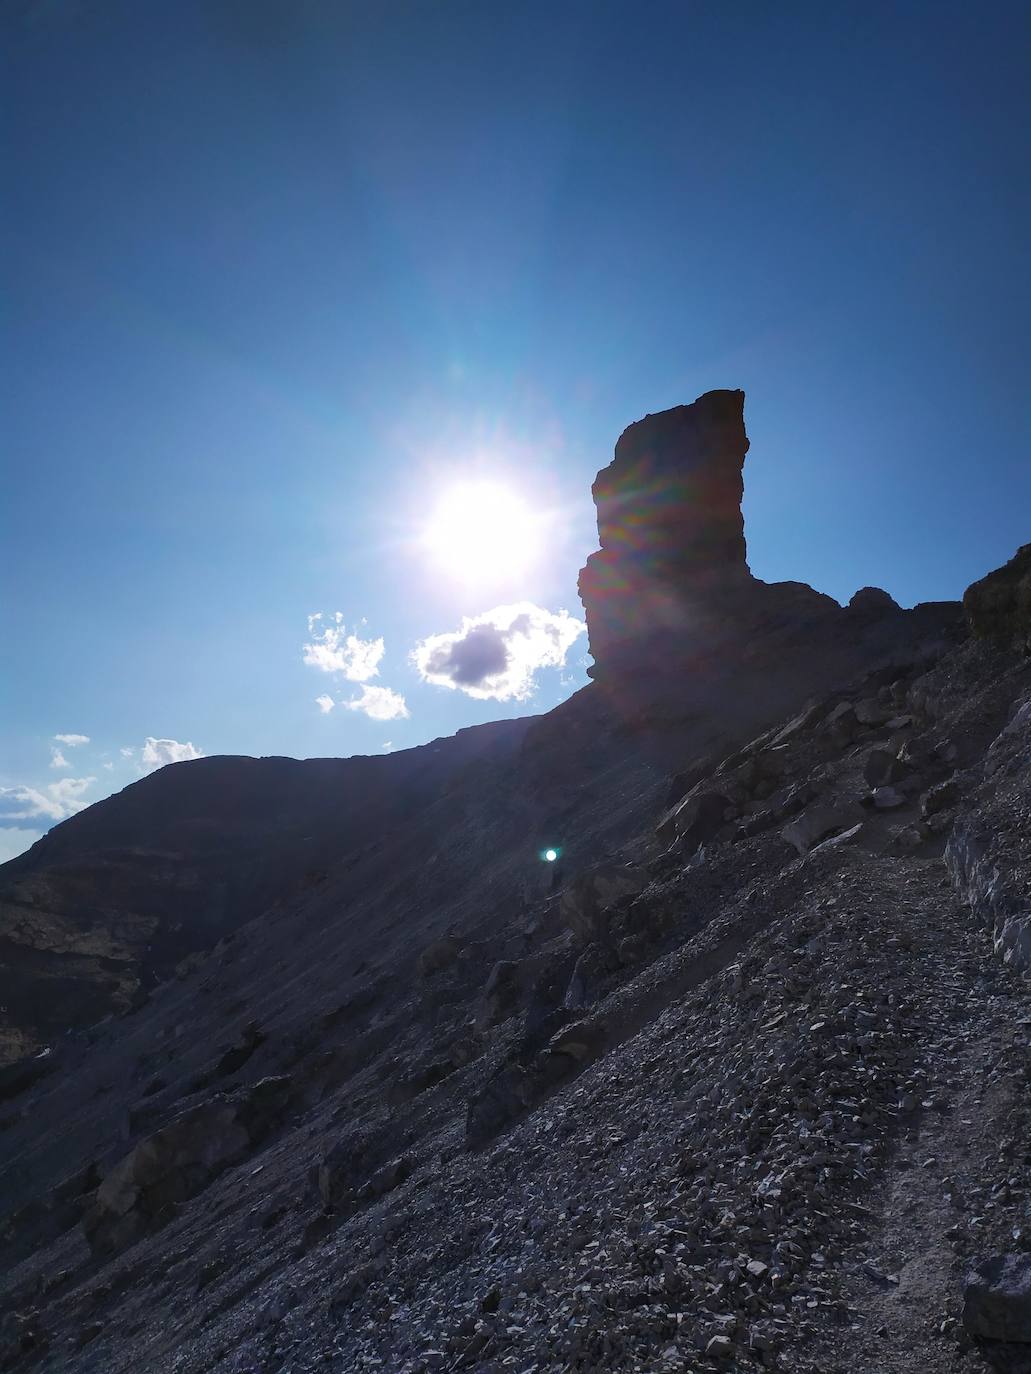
997, 1299
989, 848
998, 607
669, 519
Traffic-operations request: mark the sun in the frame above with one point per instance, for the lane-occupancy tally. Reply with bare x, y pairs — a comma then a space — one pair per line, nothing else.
482, 529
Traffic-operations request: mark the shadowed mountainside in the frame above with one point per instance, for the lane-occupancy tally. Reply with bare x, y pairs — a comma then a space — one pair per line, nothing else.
384, 1091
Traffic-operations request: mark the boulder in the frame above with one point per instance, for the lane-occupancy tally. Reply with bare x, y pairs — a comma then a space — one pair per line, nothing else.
175, 1163
818, 821
362, 1167
438, 955
695, 821
997, 1299
940, 798
873, 711
501, 995
587, 901
882, 767
842, 724
589, 976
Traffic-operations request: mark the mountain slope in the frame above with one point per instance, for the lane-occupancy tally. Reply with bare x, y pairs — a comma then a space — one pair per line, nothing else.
417, 1101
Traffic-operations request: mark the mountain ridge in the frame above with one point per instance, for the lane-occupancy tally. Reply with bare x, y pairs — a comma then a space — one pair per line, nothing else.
411, 1098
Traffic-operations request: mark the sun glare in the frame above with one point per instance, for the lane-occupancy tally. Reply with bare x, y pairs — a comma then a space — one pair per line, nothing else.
480, 529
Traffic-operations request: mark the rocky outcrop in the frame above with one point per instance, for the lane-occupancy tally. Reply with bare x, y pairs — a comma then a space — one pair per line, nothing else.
144, 1189
998, 607
669, 520
989, 848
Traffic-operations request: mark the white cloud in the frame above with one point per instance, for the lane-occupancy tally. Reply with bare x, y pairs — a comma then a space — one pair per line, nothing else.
333, 650
325, 703
388, 745
158, 752
57, 759
108, 766
127, 752
25, 807
379, 703
497, 655
72, 741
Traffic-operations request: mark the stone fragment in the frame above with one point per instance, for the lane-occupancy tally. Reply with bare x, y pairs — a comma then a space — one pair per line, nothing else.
820, 820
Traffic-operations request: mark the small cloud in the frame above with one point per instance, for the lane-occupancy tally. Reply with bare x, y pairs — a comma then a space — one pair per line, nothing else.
72, 741
387, 746
159, 752
325, 703
31, 807
57, 759
497, 655
332, 650
379, 703
108, 766
127, 752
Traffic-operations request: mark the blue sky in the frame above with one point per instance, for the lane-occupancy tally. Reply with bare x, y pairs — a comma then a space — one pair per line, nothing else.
279, 276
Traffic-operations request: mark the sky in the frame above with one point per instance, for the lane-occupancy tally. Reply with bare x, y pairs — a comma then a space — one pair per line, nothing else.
320, 318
